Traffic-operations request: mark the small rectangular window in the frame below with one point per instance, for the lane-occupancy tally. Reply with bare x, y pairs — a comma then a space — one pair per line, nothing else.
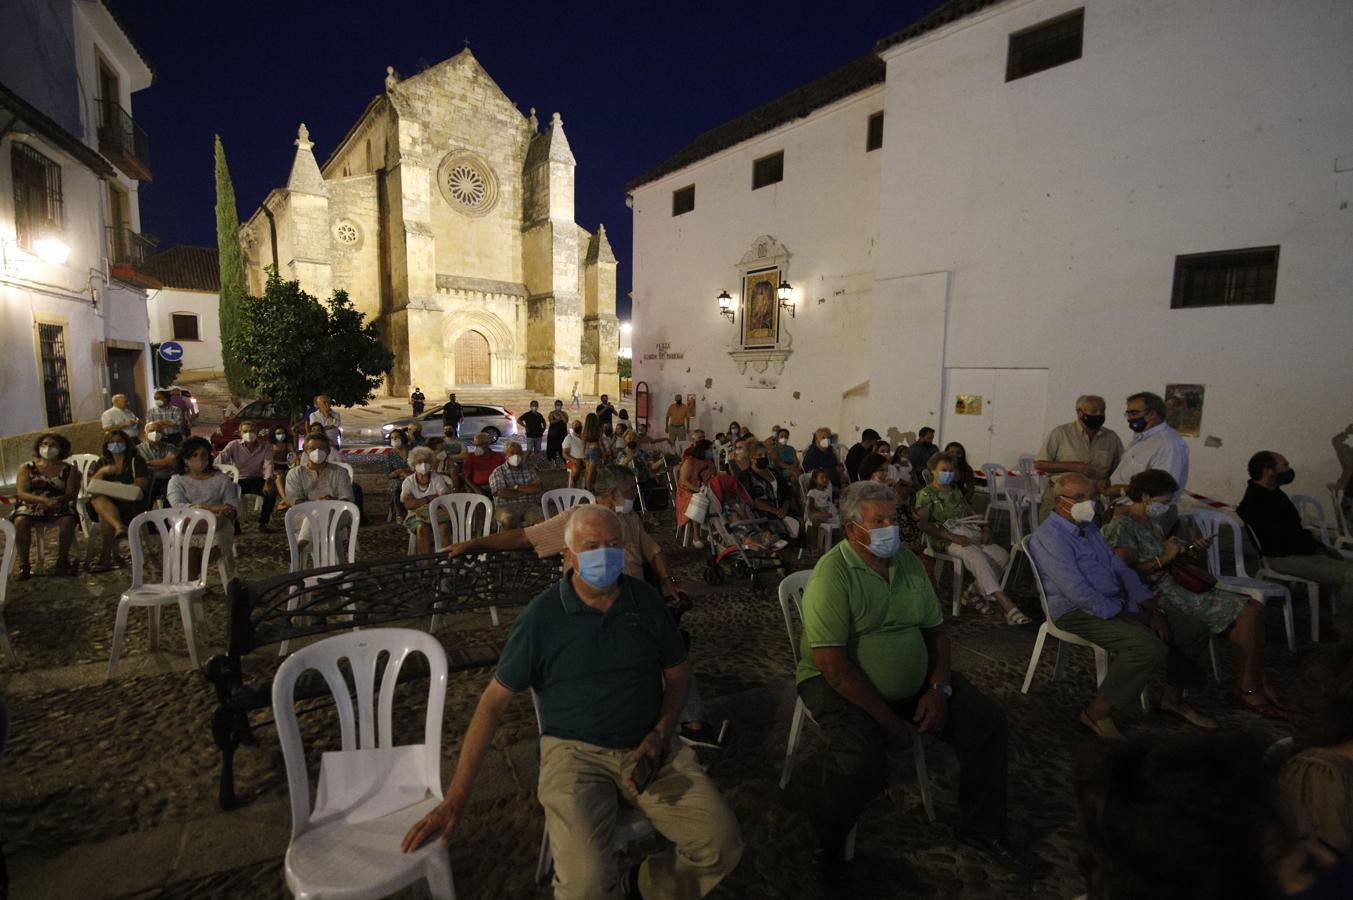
55, 379
185, 327
37, 194
1228, 278
1045, 45
768, 170
874, 139
683, 200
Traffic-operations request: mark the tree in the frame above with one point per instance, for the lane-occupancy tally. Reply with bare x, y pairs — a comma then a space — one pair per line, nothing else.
624, 367
232, 273
293, 347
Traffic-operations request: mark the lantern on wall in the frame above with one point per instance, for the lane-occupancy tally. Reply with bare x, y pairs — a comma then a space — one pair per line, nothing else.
725, 305
786, 295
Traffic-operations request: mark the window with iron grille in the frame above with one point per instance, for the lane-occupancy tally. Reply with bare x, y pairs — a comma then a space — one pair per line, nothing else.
1045, 45
1228, 278
37, 194
874, 138
185, 326
683, 200
768, 170
55, 383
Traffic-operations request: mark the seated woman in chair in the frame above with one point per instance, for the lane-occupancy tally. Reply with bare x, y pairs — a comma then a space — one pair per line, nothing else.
199, 484
47, 487
121, 464
937, 506
397, 468
417, 492
876, 467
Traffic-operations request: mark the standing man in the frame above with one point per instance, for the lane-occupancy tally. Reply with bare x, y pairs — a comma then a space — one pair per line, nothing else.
576, 401
328, 418
417, 400
920, 452
605, 411
1156, 446
173, 424
678, 415
874, 669
534, 423
452, 414
119, 417
1083, 447
558, 422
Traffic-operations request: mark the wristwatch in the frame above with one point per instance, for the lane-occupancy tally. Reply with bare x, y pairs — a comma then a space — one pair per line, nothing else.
945, 689
672, 579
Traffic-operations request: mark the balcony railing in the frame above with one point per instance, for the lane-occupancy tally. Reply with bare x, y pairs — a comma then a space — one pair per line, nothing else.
127, 247
123, 141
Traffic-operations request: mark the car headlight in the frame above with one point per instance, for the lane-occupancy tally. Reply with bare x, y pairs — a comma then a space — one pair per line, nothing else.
387, 428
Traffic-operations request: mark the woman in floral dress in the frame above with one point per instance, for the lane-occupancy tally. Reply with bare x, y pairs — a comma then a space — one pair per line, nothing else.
46, 490
1140, 542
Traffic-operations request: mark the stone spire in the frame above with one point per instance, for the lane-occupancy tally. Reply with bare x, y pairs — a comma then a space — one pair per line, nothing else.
559, 149
599, 248
305, 174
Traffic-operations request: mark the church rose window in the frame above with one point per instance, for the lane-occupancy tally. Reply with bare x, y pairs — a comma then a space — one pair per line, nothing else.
467, 183
346, 232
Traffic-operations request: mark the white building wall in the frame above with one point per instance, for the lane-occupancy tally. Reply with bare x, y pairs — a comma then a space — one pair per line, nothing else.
1052, 209
823, 212
204, 354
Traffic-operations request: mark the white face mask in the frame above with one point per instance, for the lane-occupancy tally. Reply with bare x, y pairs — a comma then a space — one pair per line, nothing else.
478, 450
422, 468
1084, 511
783, 439
824, 443
280, 435
248, 437
625, 505
514, 460
318, 456
50, 451
153, 437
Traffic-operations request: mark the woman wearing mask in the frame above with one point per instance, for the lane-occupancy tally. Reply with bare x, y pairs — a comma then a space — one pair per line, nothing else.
966, 479
696, 468
786, 458
937, 504
46, 489
769, 490
397, 468
557, 430
199, 484
417, 491
1136, 536
120, 464
283, 458
821, 456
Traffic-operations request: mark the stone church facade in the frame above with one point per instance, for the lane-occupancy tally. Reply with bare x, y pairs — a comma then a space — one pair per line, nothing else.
447, 216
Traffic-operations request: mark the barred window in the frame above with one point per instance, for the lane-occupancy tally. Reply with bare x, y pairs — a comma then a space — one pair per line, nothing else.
683, 200
1227, 278
1045, 45
874, 138
768, 170
55, 381
37, 194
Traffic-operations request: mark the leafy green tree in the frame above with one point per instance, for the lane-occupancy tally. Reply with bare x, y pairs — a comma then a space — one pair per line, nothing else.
293, 347
625, 367
232, 272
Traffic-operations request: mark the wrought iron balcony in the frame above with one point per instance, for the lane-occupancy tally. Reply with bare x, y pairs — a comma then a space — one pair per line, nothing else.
123, 141
127, 247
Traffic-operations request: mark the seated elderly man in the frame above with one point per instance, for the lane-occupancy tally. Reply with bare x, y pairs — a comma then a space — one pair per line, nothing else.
516, 490
1286, 544
875, 659
478, 466
609, 697
1092, 593
315, 478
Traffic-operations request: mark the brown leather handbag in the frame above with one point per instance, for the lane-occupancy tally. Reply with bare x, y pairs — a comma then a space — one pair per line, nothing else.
1193, 578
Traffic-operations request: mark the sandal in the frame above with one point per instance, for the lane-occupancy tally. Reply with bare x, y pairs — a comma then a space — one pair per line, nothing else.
1255, 702
973, 599
1104, 728
1015, 616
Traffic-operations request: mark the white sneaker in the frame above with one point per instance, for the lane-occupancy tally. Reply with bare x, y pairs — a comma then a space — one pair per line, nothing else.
698, 544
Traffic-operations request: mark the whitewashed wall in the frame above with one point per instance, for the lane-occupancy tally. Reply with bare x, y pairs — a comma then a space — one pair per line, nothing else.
1053, 208
204, 354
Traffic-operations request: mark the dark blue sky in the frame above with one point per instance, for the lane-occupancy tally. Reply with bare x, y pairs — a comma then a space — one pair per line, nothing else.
634, 82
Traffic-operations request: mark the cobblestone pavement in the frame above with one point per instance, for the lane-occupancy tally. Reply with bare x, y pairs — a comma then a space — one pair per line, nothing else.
112, 787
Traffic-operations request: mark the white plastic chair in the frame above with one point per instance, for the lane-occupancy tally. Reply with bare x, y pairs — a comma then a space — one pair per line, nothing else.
1065, 637
462, 510
371, 792
322, 522
824, 532
997, 483
234, 472
940, 556
1312, 514
552, 503
1341, 526
1209, 523
631, 825
10, 535
178, 583
1023, 523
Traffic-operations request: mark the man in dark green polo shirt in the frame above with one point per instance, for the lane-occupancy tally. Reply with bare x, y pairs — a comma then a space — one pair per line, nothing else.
875, 660
609, 670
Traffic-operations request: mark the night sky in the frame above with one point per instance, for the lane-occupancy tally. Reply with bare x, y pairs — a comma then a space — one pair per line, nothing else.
634, 83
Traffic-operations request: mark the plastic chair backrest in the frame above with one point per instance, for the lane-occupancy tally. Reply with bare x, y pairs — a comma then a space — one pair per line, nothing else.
996, 475
84, 464
178, 528
791, 592
369, 727
346, 467
9, 533
1027, 546
552, 503
326, 521
805, 481
1209, 523
460, 509
1026, 463
1312, 515
1341, 524
232, 470
1019, 500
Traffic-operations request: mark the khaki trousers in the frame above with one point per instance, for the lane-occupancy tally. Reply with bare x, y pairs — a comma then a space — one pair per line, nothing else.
581, 788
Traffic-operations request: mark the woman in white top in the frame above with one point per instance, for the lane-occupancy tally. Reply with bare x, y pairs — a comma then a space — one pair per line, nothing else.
419, 490
329, 419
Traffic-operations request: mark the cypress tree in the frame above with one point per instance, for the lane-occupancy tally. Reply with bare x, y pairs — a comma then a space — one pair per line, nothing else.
232, 271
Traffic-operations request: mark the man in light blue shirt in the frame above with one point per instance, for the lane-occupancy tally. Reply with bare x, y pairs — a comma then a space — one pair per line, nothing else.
1156, 445
1093, 594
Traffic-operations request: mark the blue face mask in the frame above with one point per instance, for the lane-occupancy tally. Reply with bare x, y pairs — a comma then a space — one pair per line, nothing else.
885, 542
117, 447
1156, 510
601, 568
946, 477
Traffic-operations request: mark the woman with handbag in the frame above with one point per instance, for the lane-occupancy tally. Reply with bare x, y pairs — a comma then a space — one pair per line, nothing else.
1138, 539
940, 507
118, 491
695, 470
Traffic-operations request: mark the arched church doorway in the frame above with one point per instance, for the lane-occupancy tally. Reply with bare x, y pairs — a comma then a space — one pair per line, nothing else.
473, 365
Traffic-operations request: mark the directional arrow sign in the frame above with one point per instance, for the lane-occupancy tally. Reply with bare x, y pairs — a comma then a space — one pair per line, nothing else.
171, 351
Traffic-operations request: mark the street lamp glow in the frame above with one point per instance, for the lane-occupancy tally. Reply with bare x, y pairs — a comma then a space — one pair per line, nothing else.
626, 327
52, 250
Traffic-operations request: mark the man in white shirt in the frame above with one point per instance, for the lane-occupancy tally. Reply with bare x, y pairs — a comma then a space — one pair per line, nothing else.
329, 419
1156, 446
118, 416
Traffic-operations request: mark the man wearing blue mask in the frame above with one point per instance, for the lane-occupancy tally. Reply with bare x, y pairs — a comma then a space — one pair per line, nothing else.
610, 675
874, 669
1155, 445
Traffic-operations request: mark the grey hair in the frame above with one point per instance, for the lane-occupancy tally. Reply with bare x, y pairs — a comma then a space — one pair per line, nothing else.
856, 495
1152, 402
1086, 398
584, 512
421, 454
610, 479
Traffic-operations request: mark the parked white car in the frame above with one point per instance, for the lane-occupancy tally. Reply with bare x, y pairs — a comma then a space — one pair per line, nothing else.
497, 421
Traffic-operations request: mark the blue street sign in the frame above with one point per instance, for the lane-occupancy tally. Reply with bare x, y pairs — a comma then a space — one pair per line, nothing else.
171, 351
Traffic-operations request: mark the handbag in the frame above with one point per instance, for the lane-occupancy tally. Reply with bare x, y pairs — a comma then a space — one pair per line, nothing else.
969, 527
115, 489
698, 507
1193, 578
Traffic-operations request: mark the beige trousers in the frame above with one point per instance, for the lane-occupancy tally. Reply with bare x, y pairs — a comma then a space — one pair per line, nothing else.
581, 788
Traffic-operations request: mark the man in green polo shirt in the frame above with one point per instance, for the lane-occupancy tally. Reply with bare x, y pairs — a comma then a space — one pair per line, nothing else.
874, 669
609, 670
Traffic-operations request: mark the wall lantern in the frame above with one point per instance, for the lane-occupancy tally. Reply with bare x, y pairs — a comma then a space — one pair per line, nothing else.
784, 291
725, 305
52, 250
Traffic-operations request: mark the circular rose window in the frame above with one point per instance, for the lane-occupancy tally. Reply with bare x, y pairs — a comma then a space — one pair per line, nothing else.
347, 233
467, 183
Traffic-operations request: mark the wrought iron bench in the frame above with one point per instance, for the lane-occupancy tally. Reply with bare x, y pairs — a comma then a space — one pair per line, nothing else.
337, 598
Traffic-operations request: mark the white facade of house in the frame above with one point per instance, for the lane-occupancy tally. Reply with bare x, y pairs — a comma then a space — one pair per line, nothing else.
203, 355
1021, 238
48, 60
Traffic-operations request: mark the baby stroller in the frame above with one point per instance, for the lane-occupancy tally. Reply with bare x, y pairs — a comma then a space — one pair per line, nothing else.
736, 537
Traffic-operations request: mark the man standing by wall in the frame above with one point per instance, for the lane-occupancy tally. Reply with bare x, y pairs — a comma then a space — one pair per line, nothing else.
1084, 447
678, 414
1156, 446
